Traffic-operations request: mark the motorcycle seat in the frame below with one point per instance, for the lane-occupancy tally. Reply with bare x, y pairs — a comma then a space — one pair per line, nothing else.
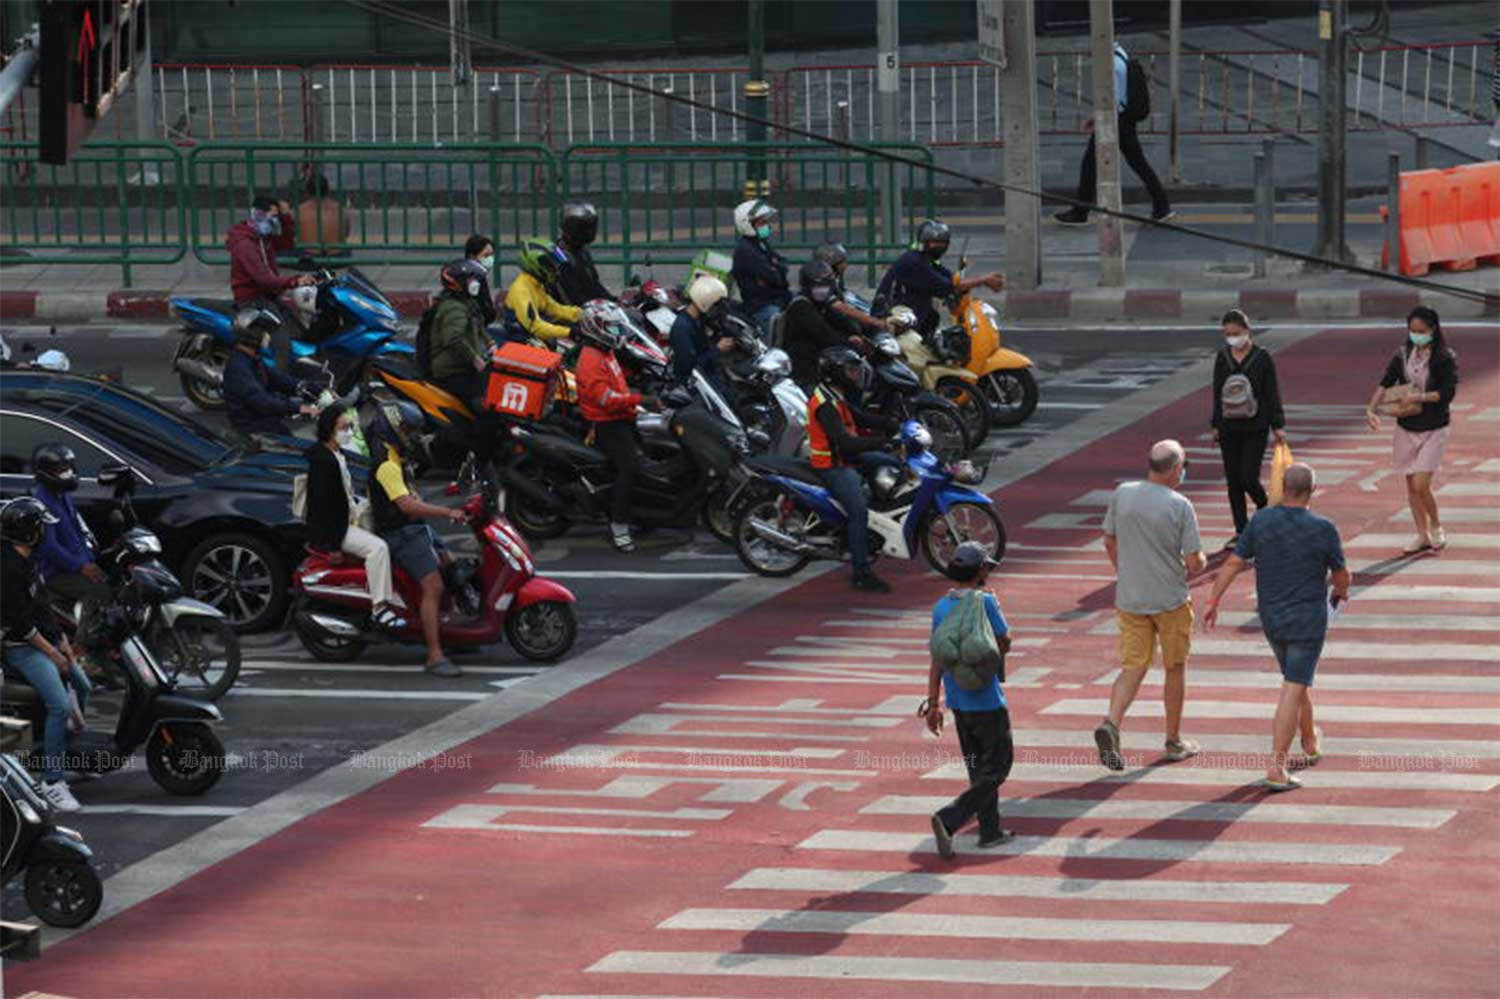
789, 468
224, 305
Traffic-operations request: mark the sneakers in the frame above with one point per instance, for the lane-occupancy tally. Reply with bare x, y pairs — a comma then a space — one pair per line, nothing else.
444, 668
1107, 738
1436, 539
989, 842
943, 837
58, 795
619, 536
870, 582
1163, 216
1182, 749
1073, 216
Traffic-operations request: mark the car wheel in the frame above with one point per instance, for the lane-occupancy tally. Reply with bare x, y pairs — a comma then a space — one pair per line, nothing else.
242, 575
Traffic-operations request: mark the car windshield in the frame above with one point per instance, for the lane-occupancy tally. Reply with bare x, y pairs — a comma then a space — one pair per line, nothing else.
176, 443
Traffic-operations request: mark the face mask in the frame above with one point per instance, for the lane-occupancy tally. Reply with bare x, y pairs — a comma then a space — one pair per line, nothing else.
1237, 342
936, 252
266, 224
1420, 339
473, 288
821, 295
1182, 475
344, 436
488, 262
763, 231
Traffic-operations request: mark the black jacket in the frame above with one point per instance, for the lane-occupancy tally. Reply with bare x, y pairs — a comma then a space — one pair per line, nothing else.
1260, 368
848, 446
257, 398
805, 335
327, 501
760, 274
578, 279
25, 609
1442, 378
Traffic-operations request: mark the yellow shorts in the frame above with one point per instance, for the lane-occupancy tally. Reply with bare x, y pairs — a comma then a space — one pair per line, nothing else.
1140, 633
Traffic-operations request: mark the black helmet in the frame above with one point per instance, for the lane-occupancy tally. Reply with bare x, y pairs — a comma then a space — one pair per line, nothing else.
24, 520
580, 223
253, 324
816, 273
933, 237
833, 254
463, 276
399, 422
835, 365
55, 466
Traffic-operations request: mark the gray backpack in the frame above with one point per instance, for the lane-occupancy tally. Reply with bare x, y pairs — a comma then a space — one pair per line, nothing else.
964, 643
1237, 397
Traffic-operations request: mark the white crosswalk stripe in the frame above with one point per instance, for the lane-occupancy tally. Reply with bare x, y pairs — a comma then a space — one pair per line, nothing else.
1264, 709
1323, 778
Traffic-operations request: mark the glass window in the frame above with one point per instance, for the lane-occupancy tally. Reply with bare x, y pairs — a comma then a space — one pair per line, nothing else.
20, 435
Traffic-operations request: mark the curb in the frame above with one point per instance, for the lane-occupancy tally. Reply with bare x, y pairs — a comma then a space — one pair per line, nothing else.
1097, 304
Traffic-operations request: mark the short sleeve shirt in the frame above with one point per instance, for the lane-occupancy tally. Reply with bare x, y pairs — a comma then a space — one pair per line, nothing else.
1153, 528
1294, 550
392, 477
987, 698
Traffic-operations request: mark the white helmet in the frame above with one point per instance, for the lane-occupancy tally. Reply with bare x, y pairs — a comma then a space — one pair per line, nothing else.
707, 291
748, 213
304, 299
902, 318
53, 360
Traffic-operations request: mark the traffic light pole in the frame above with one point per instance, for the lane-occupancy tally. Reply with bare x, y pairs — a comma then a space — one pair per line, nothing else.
1332, 165
757, 94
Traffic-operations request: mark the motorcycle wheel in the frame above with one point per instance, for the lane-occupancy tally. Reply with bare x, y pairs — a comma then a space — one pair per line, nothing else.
202, 652
971, 405
542, 631
759, 555
940, 535
534, 520
65, 893
949, 440
207, 396
185, 758
328, 650
1012, 395
716, 516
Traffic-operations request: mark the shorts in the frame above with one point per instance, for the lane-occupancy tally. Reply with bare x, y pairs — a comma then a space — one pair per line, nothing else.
416, 549
1140, 634
1297, 658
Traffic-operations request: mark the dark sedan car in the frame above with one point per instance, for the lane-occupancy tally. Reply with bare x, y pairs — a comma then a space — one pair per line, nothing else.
223, 513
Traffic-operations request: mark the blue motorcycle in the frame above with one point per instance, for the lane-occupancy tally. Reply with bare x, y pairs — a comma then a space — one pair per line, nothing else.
917, 503
352, 322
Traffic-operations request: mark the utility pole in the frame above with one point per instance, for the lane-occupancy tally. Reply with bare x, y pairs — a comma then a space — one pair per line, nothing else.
1023, 212
888, 86
1106, 141
1174, 81
757, 99
460, 57
1332, 166
145, 92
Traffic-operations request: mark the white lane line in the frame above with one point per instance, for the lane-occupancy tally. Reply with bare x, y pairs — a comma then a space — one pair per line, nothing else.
1220, 742
1470, 489
891, 706
1070, 405
657, 577
1359, 619
360, 695
1322, 779
1366, 682
1429, 566
294, 666
908, 924
612, 831
1011, 886
1109, 848
166, 811
1459, 514
1264, 711
470, 816
1181, 811
839, 968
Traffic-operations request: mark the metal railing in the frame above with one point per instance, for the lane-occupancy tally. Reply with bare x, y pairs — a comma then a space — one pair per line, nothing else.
585, 109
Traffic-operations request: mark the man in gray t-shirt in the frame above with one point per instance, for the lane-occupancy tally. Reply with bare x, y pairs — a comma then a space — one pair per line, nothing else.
1151, 535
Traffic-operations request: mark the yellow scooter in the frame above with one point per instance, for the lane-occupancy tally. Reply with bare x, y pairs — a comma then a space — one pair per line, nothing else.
1004, 375
939, 374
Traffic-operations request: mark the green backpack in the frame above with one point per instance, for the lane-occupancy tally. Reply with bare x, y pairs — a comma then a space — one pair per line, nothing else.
964, 643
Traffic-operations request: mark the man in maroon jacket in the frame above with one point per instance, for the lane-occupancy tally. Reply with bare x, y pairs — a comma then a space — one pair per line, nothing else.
254, 279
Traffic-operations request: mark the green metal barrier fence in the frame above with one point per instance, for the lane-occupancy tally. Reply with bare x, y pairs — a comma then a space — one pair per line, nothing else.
131, 204
670, 200
113, 203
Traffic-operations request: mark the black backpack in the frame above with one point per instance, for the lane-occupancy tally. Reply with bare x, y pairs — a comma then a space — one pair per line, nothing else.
1137, 92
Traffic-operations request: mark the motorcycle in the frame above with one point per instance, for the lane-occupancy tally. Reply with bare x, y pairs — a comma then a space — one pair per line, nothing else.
974, 341
895, 391
352, 322
917, 502
553, 481
502, 595
62, 887
952, 381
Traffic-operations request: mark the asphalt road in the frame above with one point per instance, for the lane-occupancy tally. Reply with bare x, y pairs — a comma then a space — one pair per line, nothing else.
290, 717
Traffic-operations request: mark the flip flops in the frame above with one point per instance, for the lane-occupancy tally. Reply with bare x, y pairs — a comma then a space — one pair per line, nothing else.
1290, 784
1311, 759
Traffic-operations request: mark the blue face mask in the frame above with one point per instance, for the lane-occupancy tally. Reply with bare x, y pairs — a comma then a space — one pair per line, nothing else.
1420, 339
763, 231
266, 224
1182, 475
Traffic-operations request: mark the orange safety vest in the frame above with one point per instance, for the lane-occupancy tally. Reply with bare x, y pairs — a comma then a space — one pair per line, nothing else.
820, 447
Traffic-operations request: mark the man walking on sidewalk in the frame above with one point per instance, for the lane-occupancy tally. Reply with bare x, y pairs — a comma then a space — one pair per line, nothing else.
1296, 553
1133, 104
978, 703
1151, 535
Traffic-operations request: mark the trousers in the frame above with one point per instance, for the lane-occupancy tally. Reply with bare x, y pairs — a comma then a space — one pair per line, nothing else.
377, 557
984, 737
1243, 451
1130, 149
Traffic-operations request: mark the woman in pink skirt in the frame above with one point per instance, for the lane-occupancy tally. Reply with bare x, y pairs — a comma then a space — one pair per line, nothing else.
1426, 362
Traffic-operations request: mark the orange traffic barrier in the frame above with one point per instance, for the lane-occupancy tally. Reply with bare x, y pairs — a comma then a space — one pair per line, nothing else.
1450, 218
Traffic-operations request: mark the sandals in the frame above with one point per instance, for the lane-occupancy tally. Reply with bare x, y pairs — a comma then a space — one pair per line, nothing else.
387, 620
1290, 784
1311, 759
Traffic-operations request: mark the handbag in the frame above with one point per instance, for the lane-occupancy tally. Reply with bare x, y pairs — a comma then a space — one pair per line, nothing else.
299, 496
1399, 400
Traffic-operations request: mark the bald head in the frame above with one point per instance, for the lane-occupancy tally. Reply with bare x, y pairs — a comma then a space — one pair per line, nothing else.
1298, 481
1165, 457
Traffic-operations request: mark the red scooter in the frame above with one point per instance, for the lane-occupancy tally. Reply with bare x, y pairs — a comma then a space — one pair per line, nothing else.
502, 594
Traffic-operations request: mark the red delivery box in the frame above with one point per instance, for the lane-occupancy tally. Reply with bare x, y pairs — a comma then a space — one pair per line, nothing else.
523, 380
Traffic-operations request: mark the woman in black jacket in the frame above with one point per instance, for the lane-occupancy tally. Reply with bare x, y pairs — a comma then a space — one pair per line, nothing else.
332, 513
1426, 362
1242, 426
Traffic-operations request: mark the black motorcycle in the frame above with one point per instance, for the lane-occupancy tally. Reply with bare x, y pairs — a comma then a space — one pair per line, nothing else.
896, 391
62, 887
553, 481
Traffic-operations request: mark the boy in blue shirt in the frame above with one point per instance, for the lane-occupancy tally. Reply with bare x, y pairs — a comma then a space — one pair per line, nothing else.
980, 716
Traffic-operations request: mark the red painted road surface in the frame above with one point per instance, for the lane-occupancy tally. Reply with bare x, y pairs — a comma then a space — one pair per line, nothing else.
744, 814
